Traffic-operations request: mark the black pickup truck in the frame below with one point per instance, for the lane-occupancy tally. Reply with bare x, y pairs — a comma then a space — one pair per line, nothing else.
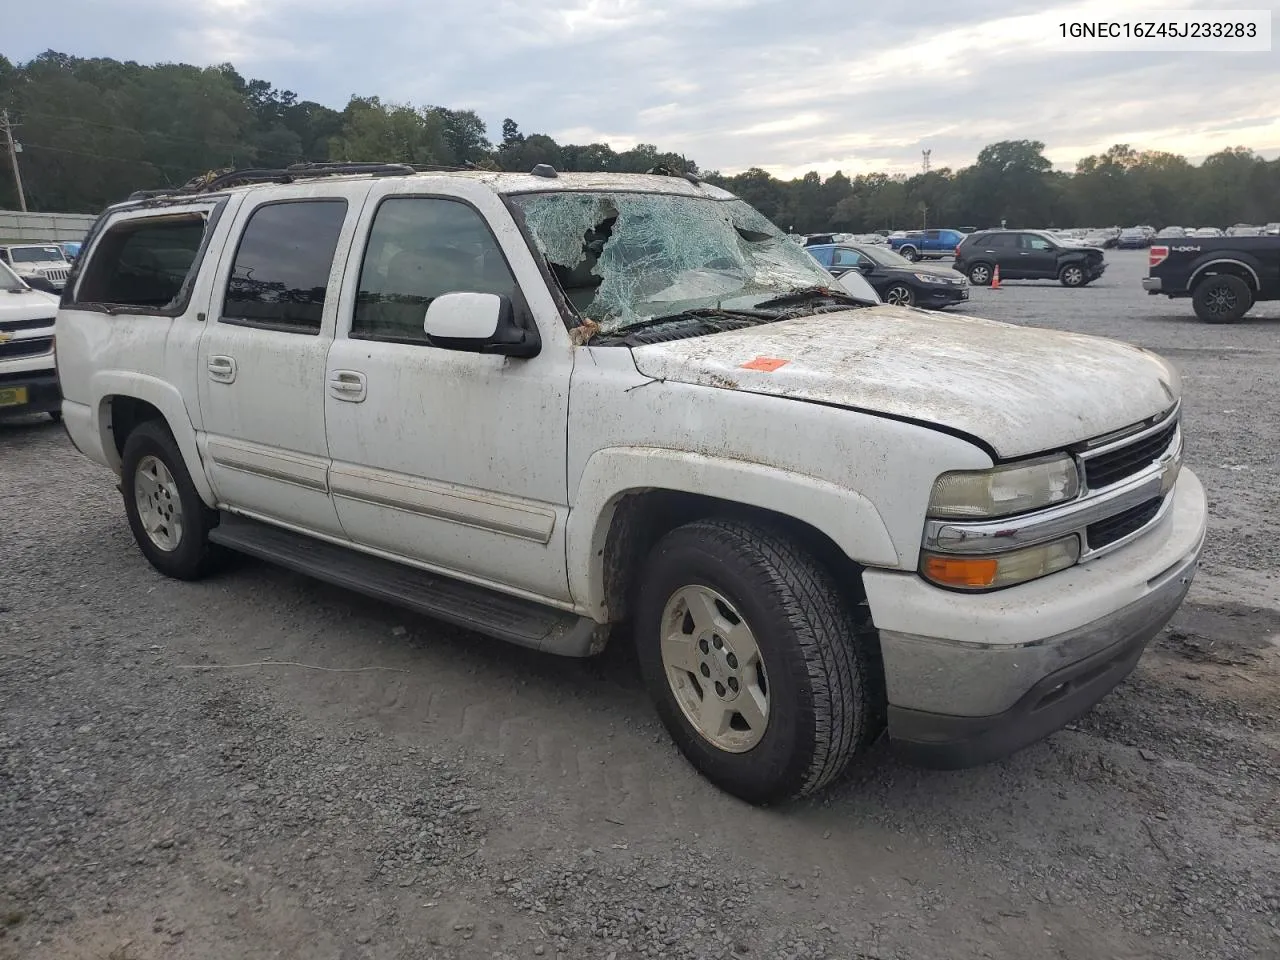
1223, 276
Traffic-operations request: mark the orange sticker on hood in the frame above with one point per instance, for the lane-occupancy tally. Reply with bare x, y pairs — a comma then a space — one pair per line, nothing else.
767, 364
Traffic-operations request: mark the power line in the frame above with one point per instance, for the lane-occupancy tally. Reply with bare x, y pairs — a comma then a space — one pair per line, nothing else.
153, 133
102, 156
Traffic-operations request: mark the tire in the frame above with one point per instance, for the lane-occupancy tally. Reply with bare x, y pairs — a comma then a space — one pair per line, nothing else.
911, 253
980, 274
150, 452
821, 684
1222, 298
55, 416
900, 295
1073, 275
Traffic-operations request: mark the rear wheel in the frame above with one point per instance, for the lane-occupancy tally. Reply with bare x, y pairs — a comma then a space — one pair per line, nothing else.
911, 253
900, 295
980, 274
169, 520
760, 670
1222, 299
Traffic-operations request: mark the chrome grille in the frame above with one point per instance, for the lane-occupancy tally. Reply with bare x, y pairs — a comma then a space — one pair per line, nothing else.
1108, 531
1126, 458
56, 274
25, 348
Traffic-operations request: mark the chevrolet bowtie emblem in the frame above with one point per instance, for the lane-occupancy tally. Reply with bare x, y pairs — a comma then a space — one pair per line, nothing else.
5, 337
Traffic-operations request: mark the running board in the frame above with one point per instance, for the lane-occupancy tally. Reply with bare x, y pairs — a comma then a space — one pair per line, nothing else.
475, 608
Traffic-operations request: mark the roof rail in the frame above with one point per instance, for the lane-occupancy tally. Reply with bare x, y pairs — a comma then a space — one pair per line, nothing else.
222, 179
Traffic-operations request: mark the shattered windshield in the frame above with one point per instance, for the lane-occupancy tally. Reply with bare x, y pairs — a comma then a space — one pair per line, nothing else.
624, 258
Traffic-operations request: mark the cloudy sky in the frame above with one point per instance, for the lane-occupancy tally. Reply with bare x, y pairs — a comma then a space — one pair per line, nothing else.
788, 85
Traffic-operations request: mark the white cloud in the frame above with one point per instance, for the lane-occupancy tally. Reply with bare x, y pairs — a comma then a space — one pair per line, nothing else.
789, 87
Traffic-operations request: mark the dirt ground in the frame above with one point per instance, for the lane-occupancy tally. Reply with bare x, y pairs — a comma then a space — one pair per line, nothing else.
260, 766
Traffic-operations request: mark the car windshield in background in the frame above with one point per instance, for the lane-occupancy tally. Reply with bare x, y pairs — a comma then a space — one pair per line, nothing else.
623, 258
35, 254
888, 258
9, 280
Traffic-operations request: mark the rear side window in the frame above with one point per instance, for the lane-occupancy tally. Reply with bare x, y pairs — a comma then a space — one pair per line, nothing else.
281, 272
823, 256
1001, 241
145, 263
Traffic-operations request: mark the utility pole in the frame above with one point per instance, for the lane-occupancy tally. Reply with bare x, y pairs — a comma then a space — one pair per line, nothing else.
13, 158
926, 157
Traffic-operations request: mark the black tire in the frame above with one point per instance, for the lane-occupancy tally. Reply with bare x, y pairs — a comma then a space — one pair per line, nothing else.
825, 684
194, 556
900, 295
980, 274
1222, 298
1073, 275
911, 253
55, 416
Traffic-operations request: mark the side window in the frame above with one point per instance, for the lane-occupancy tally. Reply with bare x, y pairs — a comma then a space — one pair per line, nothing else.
824, 256
281, 271
420, 248
1001, 241
144, 263
847, 258
933, 234
1029, 241
4, 255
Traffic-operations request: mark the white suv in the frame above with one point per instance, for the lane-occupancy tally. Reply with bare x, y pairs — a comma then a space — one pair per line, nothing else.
43, 265
28, 371
541, 404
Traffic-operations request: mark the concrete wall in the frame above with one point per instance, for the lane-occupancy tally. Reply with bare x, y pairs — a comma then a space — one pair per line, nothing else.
17, 227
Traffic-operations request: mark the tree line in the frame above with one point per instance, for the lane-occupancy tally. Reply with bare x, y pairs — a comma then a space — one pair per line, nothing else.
94, 130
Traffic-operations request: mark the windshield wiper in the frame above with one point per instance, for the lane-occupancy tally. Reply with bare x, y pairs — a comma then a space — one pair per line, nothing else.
731, 320
809, 293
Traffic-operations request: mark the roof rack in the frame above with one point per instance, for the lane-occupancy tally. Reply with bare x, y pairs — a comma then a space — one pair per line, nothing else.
222, 179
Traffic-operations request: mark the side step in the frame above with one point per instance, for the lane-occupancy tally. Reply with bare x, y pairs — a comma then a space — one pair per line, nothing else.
453, 601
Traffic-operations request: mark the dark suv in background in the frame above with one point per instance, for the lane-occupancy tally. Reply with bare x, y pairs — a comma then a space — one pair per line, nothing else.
1027, 255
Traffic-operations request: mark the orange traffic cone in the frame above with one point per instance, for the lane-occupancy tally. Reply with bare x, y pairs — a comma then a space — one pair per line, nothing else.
995, 278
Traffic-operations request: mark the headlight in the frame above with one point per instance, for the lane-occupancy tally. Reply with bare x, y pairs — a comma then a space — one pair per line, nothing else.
1004, 491
1001, 570
931, 278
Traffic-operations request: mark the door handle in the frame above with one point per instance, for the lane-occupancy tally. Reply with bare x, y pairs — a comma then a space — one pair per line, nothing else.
348, 385
222, 369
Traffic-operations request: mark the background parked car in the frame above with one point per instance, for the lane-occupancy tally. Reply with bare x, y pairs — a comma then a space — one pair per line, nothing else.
1134, 238
1027, 255
1244, 230
896, 279
927, 244
1273, 229
1171, 233
1102, 239
1205, 232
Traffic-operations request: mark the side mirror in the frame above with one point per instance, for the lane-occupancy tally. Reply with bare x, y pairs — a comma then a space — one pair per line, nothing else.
478, 323
866, 266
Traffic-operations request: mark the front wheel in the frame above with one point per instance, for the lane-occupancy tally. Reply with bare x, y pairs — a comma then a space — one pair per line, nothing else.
1222, 299
759, 669
1072, 275
900, 295
169, 520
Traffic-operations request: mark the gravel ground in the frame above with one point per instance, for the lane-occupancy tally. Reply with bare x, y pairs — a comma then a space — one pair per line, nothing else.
399, 789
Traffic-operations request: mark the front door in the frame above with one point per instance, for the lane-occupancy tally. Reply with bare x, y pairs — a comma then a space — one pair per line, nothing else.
452, 459
262, 360
1039, 257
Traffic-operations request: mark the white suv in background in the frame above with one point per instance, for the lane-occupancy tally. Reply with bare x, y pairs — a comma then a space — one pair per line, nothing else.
28, 370
43, 265
542, 404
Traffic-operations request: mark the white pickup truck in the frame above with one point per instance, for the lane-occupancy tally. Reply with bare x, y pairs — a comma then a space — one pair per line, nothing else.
542, 404
28, 371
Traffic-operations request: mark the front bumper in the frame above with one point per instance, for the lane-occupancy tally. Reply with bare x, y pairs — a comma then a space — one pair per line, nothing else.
972, 678
1095, 270
940, 296
38, 390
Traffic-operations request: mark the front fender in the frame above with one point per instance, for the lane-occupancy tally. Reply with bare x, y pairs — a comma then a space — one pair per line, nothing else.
164, 397
844, 515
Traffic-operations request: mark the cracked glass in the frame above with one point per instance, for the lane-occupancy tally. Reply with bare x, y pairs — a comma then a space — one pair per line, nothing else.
623, 258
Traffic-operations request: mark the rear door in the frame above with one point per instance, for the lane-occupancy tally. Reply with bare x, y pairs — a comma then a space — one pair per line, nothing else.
263, 352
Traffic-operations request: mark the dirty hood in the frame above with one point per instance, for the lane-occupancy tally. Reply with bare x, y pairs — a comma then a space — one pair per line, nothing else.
1021, 390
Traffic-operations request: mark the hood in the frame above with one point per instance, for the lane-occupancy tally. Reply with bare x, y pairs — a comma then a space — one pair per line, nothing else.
933, 269
1021, 390
27, 305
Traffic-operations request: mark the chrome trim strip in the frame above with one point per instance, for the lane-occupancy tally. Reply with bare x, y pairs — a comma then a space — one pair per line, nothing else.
299, 470
1116, 441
